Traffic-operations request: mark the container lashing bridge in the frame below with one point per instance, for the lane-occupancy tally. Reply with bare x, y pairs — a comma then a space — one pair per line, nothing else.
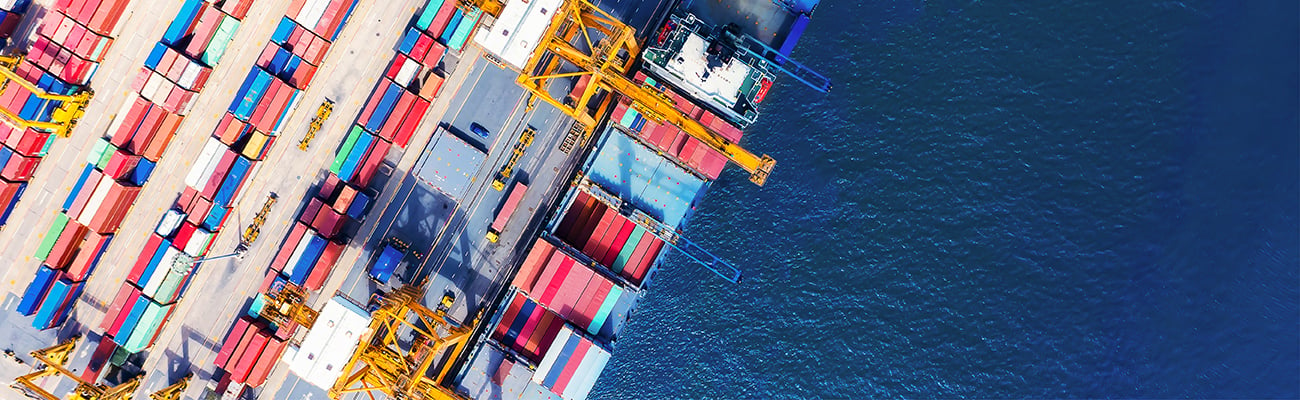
664, 232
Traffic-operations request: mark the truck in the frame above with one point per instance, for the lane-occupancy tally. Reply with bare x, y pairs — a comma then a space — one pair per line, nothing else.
525, 140
512, 203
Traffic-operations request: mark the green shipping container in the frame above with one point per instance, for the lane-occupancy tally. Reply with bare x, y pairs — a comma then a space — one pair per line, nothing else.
97, 151
348, 144
170, 284
103, 158
150, 321
426, 16
47, 242
628, 248
220, 40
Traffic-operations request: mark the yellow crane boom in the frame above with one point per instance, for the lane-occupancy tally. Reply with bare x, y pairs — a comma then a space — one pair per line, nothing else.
62, 120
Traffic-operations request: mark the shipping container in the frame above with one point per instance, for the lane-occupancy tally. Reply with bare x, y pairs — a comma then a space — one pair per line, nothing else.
34, 295
232, 340
507, 209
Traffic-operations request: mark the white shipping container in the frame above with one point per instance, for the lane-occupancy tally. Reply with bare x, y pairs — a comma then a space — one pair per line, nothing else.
169, 223
196, 175
120, 117
212, 168
190, 75
65, 28
165, 266
584, 377
161, 91
297, 251
96, 200
407, 73
311, 13
151, 86
198, 241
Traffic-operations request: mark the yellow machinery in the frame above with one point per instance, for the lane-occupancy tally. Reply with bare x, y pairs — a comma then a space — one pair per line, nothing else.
322, 113
255, 228
607, 64
525, 140
380, 362
289, 305
62, 120
55, 360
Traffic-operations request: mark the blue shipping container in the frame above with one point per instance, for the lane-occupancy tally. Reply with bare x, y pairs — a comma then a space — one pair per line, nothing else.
181, 24
521, 319
52, 305
561, 360
5, 154
463, 30
155, 56
234, 178
344, 21
61, 315
353, 161
36, 290
445, 36
293, 99
154, 262
283, 30
408, 41
76, 188
9, 208
384, 108
358, 207
215, 216
132, 319
315, 246
142, 172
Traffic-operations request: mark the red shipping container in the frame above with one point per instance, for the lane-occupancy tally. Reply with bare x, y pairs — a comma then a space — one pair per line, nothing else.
344, 199
20, 168
232, 340
246, 360
303, 75
373, 102
185, 202
323, 266
389, 128
122, 311
28, 142
142, 262
441, 18
106, 16
512, 310
410, 122
183, 235
94, 244
287, 246
237, 8
125, 200
371, 164
65, 246
147, 127
532, 265
421, 47
556, 272
163, 136
295, 8
329, 188
328, 222
120, 164
268, 54
130, 122
265, 362
241, 346
279, 106
263, 105
219, 174
434, 56
119, 302
316, 51
209, 19
395, 66
309, 213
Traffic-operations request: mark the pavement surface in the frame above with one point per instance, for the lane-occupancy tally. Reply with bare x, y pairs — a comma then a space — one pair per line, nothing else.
448, 235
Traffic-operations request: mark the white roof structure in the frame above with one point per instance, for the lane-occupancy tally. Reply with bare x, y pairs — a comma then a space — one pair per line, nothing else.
330, 343
515, 34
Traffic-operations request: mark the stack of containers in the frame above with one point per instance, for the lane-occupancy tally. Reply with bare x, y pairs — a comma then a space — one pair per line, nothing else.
572, 365
120, 163
394, 110
670, 139
11, 13
49, 298
249, 351
608, 238
228, 160
66, 50
527, 327
574, 290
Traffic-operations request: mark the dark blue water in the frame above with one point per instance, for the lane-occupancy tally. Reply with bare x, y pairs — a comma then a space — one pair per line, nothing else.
1003, 199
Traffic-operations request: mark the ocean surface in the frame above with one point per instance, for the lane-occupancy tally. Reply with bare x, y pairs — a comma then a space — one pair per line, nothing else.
1002, 200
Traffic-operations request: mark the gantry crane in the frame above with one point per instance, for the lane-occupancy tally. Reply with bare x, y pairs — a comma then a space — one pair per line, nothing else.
382, 364
62, 119
55, 360
606, 61
289, 305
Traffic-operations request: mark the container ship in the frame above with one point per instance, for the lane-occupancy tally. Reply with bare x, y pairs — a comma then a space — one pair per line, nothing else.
437, 199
